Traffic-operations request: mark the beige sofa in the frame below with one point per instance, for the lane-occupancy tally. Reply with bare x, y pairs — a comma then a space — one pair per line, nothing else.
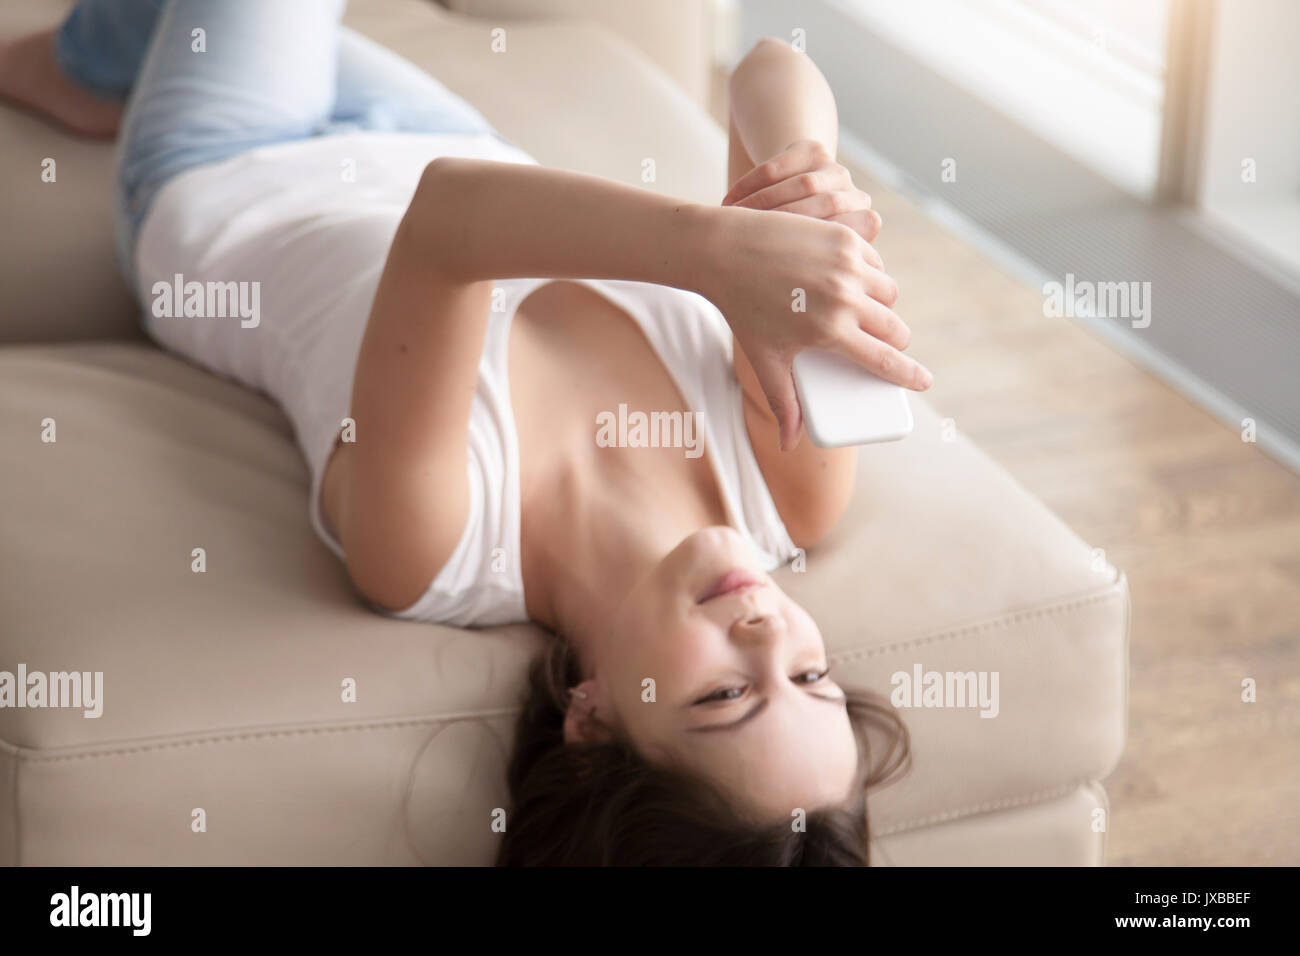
222, 689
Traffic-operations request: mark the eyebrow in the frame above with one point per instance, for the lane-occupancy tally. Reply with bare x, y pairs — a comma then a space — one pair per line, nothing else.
754, 712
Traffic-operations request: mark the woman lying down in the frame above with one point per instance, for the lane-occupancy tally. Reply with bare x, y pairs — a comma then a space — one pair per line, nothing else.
444, 321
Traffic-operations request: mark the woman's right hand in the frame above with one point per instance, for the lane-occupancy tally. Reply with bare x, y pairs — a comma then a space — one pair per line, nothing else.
786, 282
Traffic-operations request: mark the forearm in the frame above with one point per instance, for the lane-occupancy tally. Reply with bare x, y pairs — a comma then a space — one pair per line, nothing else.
778, 97
481, 220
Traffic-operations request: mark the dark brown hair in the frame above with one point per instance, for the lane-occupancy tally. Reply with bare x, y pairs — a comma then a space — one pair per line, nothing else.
603, 804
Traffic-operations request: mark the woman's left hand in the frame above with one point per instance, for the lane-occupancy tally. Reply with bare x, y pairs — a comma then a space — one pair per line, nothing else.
804, 178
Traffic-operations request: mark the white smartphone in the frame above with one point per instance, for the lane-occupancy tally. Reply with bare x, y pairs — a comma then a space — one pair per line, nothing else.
844, 404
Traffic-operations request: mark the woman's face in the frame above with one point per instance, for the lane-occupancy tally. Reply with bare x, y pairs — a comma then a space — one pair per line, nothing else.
739, 694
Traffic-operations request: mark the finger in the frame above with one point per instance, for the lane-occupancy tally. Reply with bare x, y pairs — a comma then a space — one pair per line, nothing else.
866, 223
760, 177
777, 379
882, 359
801, 157
869, 254
880, 286
799, 186
883, 323
824, 205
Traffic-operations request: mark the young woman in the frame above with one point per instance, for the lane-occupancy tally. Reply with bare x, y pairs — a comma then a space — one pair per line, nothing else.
394, 264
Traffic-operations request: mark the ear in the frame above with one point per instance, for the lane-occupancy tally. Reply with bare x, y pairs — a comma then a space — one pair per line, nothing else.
579, 727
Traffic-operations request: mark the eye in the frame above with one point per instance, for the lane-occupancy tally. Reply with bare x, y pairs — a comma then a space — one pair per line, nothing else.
805, 678
811, 677
726, 693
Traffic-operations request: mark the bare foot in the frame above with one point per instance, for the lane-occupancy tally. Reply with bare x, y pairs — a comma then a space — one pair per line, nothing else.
30, 77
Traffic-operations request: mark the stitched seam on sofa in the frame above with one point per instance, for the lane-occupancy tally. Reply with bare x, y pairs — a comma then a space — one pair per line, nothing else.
1005, 803
33, 756
1115, 591
969, 629
25, 753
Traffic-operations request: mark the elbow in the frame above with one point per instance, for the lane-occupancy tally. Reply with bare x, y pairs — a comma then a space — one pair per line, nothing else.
444, 179
449, 183
438, 168
433, 206
433, 181
760, 57
768, 46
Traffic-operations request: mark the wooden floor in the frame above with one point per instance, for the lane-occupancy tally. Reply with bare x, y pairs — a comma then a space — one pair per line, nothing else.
1206, 526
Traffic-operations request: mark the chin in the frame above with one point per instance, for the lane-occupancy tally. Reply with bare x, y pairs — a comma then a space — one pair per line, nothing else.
719, 546
705, 556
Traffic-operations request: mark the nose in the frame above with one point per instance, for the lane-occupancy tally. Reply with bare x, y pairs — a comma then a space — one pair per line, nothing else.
757, 626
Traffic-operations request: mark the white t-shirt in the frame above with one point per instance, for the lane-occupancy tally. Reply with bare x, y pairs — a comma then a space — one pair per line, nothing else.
302, 230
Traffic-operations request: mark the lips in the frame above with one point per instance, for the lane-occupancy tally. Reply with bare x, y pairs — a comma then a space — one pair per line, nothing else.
736, 580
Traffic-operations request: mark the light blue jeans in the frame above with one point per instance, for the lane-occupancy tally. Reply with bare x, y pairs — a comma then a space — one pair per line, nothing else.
205, 80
